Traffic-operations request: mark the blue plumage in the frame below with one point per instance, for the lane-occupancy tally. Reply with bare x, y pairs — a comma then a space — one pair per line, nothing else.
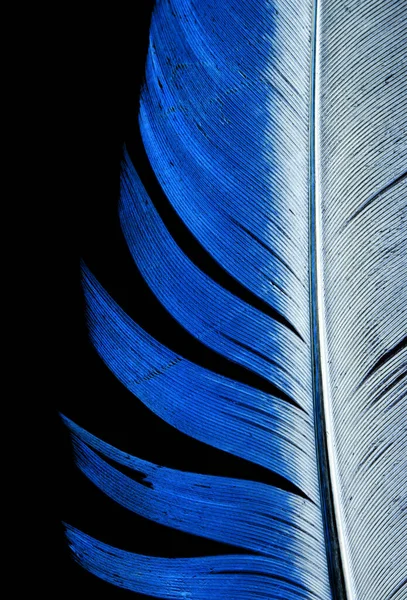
218, 318
177, 390
237, 121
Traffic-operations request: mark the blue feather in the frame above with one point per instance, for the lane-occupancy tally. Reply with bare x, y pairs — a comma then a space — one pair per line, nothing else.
177, 390
244, 85
218, 318
238, 577
293, 181
257, 517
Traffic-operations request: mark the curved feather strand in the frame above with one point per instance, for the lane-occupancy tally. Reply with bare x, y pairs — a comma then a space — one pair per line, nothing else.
176, 390
230, 577
254, 516
216, 317
207, 95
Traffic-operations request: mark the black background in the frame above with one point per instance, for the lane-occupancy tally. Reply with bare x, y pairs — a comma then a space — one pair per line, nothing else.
102, 60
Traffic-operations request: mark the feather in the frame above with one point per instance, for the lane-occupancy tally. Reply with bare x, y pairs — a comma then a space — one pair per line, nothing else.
363, 191
177, 390
274, 131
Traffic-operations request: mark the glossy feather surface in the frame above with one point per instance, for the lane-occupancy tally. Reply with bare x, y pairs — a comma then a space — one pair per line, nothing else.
363, 193
276, 131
